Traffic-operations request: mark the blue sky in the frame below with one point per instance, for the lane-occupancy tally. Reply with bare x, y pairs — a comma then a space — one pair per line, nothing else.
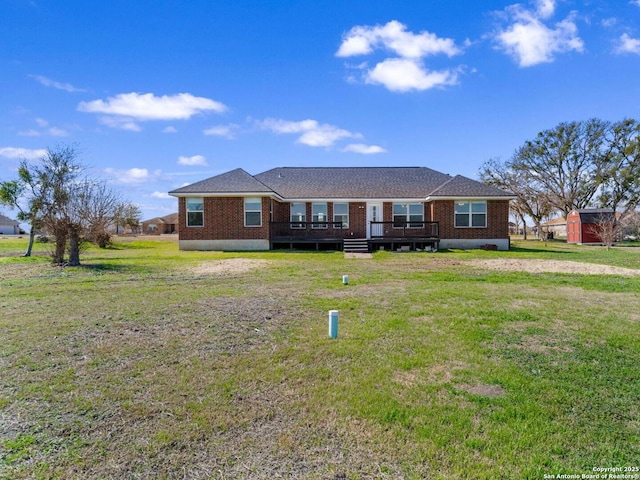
159, 94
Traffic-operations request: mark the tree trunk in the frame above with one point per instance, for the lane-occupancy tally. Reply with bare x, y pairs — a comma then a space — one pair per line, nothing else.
58, 252
74, 247
524, 227
32, 237
61, 245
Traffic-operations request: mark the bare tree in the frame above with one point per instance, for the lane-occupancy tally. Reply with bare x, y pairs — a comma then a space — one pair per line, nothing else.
567, 163
621, 184
529, 201
91, 211
127, 214
606, 229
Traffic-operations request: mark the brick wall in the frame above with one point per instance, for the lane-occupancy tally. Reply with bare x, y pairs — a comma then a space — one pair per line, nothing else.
223, 219
497, 221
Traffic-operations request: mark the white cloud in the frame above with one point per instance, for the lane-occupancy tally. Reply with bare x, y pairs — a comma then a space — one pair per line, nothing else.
44, 124
403, 75
127, 108
406, 71
364, 149
363, 40
132, 176
47, 82
627, 44
29, 133
121, 123
545, 8
312, 133
529, 41
635, 2
225, 131
169, 129
162, 195
191, 161
20, 153
57, 132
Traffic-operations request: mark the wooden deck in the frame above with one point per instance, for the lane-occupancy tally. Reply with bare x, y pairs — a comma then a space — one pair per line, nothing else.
412, 235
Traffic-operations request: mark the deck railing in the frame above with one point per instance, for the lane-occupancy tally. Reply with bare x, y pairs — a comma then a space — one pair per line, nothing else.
307, 230
336, 230
404, 229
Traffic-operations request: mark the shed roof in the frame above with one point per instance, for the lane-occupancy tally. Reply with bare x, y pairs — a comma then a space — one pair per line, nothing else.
594, 215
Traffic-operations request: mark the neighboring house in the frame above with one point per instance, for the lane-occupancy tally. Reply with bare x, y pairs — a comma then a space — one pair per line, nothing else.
8, 226
160, 225
583, 224
556, 226
365, 208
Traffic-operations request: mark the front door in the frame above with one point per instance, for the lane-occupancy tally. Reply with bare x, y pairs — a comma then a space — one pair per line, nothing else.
374, 214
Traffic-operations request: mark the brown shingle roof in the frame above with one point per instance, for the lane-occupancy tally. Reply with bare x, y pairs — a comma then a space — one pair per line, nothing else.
235, 181
345, 182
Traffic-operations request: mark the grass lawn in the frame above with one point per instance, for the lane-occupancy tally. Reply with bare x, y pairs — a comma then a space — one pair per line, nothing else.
149, 362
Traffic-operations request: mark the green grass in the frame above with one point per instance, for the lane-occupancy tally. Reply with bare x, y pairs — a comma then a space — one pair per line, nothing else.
141, 363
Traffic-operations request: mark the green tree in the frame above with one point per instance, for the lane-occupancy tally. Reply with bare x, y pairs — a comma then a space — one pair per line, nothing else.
72, 209
12, 194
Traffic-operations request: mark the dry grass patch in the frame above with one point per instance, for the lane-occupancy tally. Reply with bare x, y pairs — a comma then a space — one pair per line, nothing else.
484, 390
229, 266
551, 266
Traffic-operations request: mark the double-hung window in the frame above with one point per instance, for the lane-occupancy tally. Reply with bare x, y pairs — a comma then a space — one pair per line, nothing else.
195, 212
408, 214
298, 214
470, 214
319, 215
253, 212
341, 214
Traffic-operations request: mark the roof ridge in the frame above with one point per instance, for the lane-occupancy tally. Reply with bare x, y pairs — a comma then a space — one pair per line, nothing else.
444, 184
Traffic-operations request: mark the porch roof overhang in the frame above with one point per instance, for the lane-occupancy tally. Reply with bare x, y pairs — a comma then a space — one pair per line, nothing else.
431, 198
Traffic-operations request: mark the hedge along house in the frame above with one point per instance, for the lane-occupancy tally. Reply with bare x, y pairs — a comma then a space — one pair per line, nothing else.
360, 208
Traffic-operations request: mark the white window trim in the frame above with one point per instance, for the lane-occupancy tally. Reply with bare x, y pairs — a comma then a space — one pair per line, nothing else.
190, 211
252, 200
324, 214
470, 214
408, 215
292, 220
345, 224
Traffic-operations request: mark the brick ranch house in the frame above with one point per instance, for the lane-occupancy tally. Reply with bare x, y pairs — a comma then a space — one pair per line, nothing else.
360, 208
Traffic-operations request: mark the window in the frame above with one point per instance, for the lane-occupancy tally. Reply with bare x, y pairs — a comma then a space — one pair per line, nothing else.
298, 214
195, 212
411, 213
341, 214
252, 212
319, 214
470, 214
